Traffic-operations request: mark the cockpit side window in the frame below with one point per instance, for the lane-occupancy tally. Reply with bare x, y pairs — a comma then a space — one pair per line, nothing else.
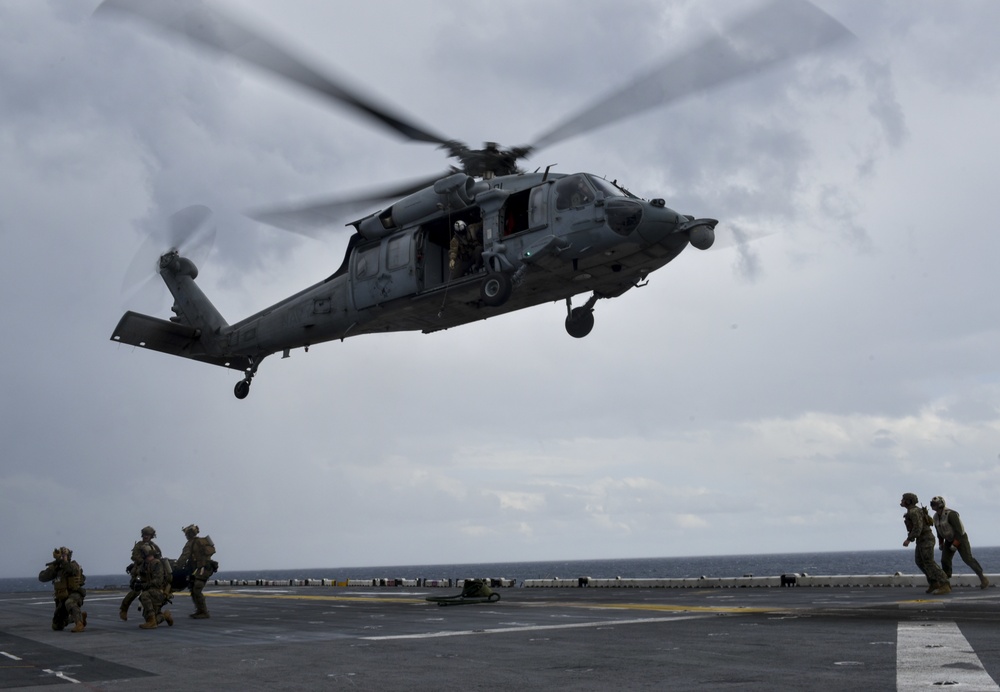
573, 191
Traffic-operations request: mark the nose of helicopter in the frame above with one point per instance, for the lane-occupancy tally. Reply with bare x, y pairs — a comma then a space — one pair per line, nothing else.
661, 225
658, 222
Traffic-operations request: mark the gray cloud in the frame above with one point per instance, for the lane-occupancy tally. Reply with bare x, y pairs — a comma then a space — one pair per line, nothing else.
744, 386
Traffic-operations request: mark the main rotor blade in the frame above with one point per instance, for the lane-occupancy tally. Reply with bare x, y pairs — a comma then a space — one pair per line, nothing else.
206, 26
777, 32
313, 217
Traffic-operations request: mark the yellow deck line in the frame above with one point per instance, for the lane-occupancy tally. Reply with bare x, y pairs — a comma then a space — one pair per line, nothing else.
389, 598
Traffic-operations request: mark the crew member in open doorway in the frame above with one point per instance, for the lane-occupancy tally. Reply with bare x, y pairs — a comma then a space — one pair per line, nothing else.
465, 253
918, 527
951, 538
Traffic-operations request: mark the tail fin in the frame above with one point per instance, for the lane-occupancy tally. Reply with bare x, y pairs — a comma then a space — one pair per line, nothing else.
191, 306
193, 332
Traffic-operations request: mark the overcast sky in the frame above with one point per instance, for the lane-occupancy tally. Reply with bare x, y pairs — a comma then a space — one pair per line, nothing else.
773, 397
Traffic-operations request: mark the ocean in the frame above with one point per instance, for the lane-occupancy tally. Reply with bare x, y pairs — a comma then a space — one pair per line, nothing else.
830, 563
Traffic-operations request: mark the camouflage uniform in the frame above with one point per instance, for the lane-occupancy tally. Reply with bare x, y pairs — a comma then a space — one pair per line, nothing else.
951, 537
919, 531
148, 533
68, 579
153, 582
465, 252
196, 559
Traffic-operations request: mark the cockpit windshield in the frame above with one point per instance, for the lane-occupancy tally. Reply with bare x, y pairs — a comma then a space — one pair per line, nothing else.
608, 189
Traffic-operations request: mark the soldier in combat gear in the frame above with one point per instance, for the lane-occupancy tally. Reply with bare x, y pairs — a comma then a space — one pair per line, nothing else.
465, 252
153, 582
918, 527
148, 533
951, 538
196, 558
67, 578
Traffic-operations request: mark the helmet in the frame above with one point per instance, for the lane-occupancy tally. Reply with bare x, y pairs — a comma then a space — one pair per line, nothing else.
460, 226
937, 502
191, 528
148, 531
909, 499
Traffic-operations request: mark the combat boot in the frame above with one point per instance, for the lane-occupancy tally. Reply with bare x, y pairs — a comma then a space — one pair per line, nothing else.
930, 587
80, 625
168, 618
944, 588
123, 614
150, 622
200, 615
984, 583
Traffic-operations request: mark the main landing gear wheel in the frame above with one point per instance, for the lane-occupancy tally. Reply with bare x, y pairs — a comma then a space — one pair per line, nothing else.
579, 322
496, 289
241, 389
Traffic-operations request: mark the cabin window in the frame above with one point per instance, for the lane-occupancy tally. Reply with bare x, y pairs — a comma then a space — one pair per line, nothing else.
573, 191
367, 263
397, 253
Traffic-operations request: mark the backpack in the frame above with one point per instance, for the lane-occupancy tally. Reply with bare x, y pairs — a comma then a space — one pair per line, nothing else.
206, 547
168, 573
928, 519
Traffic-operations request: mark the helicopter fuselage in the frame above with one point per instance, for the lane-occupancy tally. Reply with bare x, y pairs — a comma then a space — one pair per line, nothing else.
537, 238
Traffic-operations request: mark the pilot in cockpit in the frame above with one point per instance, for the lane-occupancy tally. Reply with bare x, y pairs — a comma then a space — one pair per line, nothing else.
572, 192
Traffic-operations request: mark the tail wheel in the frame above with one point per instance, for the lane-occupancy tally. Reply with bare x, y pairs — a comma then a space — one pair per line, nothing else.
242, 389
495, 290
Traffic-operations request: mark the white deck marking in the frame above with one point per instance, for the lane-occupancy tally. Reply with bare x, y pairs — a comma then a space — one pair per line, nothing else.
536, 628
11, 656
934, 655
61, 676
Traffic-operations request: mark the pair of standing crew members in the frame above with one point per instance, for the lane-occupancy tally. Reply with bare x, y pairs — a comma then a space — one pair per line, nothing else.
153, 584
951, 537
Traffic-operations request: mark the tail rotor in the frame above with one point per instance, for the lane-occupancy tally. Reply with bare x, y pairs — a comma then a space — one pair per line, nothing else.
187, 232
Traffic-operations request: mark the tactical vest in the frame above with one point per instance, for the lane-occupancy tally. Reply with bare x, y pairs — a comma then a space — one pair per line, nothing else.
202, 549
944, 529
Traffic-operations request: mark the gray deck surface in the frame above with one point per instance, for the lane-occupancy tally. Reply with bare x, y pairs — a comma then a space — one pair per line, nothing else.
553, 639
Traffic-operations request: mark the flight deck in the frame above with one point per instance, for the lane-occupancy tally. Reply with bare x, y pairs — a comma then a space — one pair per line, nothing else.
557, 638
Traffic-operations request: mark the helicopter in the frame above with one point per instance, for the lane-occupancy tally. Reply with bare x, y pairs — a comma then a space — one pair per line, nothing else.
479, 240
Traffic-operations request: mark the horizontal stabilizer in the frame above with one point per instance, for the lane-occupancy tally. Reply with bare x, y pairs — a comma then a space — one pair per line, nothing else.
168, 337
